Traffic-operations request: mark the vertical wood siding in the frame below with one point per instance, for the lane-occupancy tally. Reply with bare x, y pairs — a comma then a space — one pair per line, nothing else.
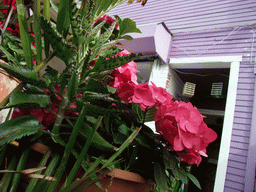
212, 28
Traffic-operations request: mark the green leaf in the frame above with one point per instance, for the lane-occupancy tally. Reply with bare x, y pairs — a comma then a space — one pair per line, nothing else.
170, 161
126, 26
125, 144
98, 141
150, 115
63, 50
7, 178
46, 9
83, 153
9, 56
110, 52
124, 130
160, 176
37, 30
127, 37
114, 2
24, 75
42, 163
96, 87
90, 171
47, 16
16, 48
133, 157
194, 180
104, 64
72, 87
18, 127
51, 168
99, 41
88, 14
104, 6
76, 24
20, 166
175, 184
25, 37
24, 100
92, 96
183, 175
63, 19
111, 89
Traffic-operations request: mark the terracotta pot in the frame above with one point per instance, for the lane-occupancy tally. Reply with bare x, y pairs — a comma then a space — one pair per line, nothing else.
7, 83
115, 181
122, 181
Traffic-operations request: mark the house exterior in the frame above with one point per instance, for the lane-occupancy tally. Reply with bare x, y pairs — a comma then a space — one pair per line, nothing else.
214, 33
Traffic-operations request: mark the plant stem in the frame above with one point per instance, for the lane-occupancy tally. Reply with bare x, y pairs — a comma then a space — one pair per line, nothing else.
60, 116
45, 61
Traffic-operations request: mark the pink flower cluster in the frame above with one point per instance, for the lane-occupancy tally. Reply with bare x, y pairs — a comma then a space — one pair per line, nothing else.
182, 126
180, 123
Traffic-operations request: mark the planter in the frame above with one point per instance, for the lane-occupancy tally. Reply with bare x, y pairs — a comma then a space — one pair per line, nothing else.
116, 180
7, 84
122, 181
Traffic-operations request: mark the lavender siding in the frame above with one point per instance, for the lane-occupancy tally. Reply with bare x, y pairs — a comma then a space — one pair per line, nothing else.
191, 15
212, 28
220, 42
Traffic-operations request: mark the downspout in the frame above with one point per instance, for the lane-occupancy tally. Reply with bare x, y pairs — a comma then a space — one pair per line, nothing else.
249, 184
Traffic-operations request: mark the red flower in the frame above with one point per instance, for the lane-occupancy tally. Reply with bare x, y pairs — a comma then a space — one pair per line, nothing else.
46, 117
14, 32
8, 2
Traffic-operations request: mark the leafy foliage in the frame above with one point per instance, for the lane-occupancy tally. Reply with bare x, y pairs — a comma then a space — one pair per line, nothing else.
84, 117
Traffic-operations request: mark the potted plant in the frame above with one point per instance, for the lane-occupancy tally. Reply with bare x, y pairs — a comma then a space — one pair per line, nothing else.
89, 118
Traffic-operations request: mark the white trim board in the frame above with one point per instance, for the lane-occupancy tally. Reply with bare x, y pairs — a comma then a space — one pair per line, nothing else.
233, 63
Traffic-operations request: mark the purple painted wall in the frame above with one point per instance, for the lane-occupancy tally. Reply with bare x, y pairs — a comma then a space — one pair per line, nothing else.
212, 28
227, 42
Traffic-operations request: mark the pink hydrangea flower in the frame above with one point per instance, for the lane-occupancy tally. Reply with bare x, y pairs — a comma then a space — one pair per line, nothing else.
126, 91
143, 96
191, 157
188, 117
125, 70
160, 95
